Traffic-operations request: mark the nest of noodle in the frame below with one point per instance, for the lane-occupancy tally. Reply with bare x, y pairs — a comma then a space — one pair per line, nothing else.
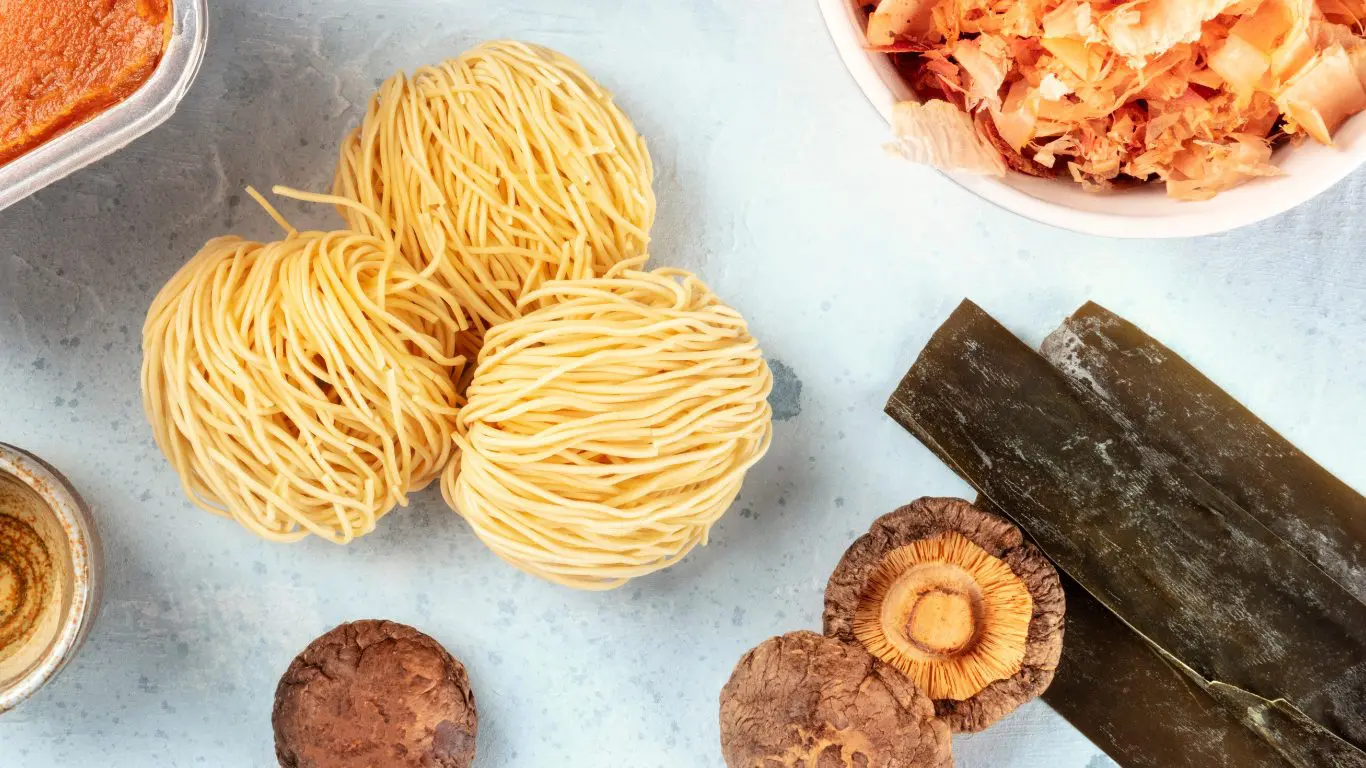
1192, 93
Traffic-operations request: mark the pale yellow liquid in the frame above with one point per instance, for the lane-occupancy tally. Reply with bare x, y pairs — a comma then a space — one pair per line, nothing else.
33, 579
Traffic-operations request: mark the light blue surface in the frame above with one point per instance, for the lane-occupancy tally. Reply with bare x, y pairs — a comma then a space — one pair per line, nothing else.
773, 184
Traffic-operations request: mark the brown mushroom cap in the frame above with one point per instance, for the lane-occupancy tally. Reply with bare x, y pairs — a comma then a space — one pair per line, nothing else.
806, 701
958, 600
374, 693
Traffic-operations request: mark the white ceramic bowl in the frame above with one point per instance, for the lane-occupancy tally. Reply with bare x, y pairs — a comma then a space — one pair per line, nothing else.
1146, 212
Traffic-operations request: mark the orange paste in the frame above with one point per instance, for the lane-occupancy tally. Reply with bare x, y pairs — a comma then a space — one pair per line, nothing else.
63, 62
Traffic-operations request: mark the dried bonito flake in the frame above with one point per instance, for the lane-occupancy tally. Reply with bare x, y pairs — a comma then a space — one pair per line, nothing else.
1192, 93
939, 134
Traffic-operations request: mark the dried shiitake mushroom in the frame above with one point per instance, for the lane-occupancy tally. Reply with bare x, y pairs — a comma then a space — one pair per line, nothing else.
956, 600
375, 693
806, 701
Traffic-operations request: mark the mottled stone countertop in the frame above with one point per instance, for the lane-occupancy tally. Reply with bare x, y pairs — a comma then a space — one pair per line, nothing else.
773, 185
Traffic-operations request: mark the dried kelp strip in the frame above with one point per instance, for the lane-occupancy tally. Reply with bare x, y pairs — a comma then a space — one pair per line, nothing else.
1302, 741
1181, 412
1122, 694
1181, 563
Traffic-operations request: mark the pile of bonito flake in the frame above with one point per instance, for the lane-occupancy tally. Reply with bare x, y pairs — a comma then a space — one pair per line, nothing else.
1193, 93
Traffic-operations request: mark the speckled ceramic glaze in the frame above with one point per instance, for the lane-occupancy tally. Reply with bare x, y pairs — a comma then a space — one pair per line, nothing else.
80, 564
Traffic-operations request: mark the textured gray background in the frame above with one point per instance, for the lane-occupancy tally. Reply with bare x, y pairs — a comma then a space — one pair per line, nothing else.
773, 185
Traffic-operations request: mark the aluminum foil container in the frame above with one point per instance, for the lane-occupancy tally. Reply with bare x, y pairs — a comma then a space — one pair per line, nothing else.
113, 129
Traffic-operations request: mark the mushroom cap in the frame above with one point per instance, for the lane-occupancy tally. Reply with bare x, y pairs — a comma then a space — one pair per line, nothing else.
374, 693
930, 517
802, 700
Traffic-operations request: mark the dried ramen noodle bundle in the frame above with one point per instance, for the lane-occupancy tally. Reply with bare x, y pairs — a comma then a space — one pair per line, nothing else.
502, 166
608, 430
303, 386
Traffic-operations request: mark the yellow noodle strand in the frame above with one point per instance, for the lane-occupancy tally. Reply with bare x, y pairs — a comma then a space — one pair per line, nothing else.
607, 431
304, 386
507, 167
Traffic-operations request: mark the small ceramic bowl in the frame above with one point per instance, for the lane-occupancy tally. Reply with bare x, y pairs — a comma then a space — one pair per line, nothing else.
72, 547
1145, 212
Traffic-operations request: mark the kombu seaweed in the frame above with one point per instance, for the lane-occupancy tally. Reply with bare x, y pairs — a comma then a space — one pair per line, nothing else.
1121, 693
1180, 411
1264, 633
1111, 680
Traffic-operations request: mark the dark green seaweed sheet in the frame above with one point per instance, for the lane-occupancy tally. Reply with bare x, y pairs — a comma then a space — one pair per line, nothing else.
1190, 571
1119, 691
1177, 409
1111, 680
1180, 411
